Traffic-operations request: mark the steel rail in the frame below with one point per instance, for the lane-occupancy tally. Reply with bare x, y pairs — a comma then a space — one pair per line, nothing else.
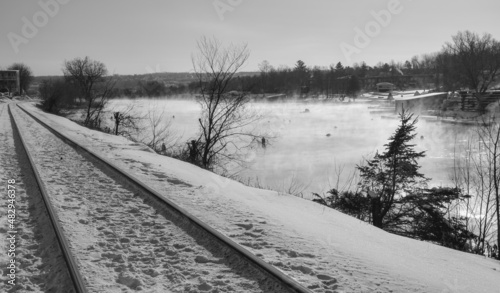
71, 263
268, 270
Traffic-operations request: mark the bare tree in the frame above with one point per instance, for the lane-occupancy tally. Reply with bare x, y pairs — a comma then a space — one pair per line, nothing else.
265, 67
157, 130
86, 74
25, 76
472, 174
227, 125
489, 137
126, 121
478, 58
99, 102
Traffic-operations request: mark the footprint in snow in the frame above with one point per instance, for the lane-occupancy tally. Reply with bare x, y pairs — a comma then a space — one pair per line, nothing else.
245, 226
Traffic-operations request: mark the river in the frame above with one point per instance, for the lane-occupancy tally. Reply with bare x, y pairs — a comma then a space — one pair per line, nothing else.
314, 147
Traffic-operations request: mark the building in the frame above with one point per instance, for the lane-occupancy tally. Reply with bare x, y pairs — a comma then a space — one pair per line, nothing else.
385, 87
10, 82
400, 82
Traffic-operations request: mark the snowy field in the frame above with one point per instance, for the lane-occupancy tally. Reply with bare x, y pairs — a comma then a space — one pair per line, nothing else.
325, 250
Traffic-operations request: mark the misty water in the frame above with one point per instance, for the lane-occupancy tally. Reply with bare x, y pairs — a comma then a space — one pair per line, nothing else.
304, 155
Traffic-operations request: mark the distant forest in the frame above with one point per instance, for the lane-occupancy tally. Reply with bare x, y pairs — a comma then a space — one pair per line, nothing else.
469, 62
297, 80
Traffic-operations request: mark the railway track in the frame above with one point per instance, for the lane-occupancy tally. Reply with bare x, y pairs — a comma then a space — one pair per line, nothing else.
28, 239
119, 235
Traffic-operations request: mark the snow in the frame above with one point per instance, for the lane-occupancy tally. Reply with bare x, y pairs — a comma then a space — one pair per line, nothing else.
325, 250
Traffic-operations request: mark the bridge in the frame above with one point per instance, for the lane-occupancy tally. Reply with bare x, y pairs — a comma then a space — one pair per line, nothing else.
417, 102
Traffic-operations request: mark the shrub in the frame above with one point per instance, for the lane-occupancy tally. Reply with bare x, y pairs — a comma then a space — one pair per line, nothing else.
56, 95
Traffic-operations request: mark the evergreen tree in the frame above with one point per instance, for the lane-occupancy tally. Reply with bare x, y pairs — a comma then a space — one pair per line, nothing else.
339, 69
363, 69
351, 203
426, 218
300, 66
407, 65
302, 77
389, 175
386, 67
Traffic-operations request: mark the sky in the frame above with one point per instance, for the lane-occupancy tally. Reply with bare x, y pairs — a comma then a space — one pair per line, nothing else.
139, 37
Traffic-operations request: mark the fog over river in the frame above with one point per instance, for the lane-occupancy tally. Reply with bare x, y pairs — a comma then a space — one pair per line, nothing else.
303, 151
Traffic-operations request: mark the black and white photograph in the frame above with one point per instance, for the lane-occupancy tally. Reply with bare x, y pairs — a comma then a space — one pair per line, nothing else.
186, 146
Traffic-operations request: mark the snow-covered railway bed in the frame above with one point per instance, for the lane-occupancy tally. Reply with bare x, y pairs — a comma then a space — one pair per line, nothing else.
30, 257
124, 239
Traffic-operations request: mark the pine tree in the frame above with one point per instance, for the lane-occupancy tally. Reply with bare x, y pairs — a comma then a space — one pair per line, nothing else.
426, 217
300, 66
389, 175
339, 66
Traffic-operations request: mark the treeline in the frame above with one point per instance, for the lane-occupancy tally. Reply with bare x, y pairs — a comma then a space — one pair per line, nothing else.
301, 80
155, 85
128, 87
147, 88
469, 61
162, 84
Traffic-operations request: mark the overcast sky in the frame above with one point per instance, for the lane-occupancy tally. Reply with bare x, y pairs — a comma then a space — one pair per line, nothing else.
137, 37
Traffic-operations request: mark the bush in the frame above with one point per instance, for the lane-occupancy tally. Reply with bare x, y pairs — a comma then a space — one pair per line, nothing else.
56, 95
351, 203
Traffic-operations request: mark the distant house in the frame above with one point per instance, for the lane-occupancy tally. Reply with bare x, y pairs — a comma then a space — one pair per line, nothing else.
385, 87
400, 82
9, 81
